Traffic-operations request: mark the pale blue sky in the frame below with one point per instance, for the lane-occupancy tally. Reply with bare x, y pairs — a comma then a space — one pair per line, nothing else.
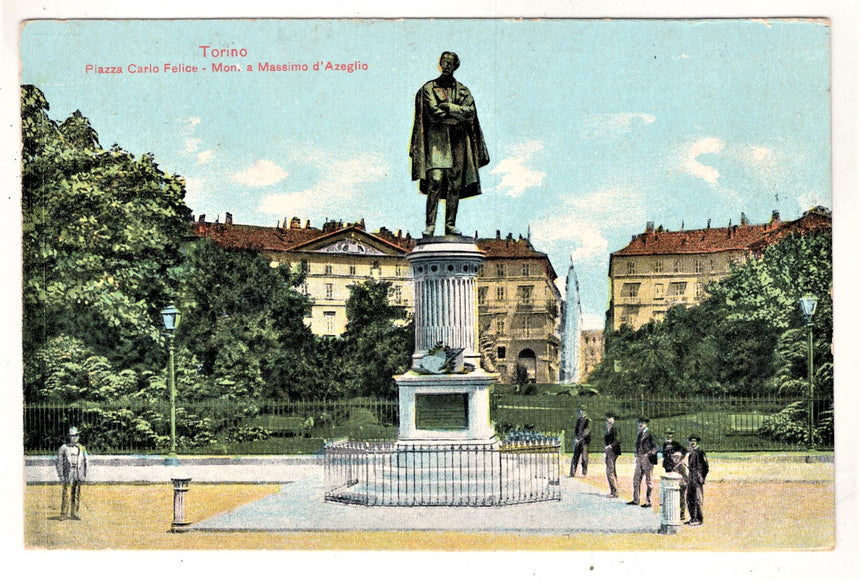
593, 126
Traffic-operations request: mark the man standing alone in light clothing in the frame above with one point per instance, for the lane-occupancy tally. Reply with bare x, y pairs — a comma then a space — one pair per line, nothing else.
72, 471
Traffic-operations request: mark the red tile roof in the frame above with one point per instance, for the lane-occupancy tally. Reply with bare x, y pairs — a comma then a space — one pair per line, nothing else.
285, 239
712, 240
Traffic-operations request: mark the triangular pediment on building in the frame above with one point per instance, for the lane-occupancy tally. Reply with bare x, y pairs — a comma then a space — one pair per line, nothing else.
351, 241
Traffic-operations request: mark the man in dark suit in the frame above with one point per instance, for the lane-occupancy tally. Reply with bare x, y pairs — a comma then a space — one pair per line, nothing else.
582, 439
611, 451
697, 465
646, 459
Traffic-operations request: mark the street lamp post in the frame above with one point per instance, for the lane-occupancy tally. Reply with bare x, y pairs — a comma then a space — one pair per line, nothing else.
170, 317
807, 307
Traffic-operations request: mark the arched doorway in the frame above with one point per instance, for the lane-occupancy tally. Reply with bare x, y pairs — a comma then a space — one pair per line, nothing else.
528, 361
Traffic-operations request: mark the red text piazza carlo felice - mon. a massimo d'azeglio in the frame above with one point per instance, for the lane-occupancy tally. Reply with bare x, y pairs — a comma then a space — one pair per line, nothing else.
209, 52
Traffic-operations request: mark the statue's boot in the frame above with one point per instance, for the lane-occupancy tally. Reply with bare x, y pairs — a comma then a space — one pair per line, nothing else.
451, 203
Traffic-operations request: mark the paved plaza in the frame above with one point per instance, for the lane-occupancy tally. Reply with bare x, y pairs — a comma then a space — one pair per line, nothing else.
300, 507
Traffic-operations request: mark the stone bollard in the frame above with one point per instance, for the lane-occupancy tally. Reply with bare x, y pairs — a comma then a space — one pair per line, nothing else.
670, 503
180, 488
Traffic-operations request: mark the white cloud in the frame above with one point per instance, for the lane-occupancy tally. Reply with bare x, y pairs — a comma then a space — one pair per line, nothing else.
191, 122
691, 163
192, 144
205, 156
261, 174
810, 199
582, 221
516, 175
609, 125
339, 183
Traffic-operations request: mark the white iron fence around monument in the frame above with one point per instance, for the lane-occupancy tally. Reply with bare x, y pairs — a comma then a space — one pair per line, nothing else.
388, 473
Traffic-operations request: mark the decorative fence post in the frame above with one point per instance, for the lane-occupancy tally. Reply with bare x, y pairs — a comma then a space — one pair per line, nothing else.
180, 488
670, 503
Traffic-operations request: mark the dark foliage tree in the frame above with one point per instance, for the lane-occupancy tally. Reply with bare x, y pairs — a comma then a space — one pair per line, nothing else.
377, 345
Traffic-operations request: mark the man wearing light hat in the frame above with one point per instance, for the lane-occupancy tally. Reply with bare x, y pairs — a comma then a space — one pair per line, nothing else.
72, 471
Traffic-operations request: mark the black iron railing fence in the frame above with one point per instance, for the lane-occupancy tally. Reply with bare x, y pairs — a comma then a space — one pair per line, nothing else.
763, 423
386, 473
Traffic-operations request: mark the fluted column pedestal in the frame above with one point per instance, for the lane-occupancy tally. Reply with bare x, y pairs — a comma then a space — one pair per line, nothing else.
452, 404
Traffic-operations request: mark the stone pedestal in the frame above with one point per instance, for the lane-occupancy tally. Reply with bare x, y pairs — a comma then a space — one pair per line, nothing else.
445, 401
180, 488
670, 503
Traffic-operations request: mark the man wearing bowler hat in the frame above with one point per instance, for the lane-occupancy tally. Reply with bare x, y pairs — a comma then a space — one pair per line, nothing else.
582, 439
645, 460
72, 471
697, 465
611, 451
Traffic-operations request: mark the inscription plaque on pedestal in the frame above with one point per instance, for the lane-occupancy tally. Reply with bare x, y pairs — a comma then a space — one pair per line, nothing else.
442, 412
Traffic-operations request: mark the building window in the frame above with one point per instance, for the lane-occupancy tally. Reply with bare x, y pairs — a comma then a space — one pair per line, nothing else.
482, 295
305, 289
304, 266
700, 290
374, 266
676, 266
712, 265
501, 352
658, 267
658, 291
677, 289
481, 271
630, 290
328, 322
526, 326
398, 270
328, 269
500, 326
500, 270
525, 269
525, 293
631, 268
500, 293
700, 267
329, 291
352, 269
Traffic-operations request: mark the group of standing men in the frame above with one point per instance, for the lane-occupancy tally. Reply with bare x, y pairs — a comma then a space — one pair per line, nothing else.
691, 465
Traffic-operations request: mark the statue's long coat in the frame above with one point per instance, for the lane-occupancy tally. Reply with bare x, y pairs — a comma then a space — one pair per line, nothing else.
448, 140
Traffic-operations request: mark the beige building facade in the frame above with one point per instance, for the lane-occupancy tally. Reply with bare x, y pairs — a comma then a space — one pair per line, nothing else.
518, 303
660, 269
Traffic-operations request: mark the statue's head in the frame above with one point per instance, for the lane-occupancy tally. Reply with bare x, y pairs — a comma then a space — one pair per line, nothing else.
449, 62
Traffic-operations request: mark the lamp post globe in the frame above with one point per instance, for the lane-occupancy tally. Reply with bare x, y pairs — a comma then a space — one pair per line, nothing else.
170, 317
807, 307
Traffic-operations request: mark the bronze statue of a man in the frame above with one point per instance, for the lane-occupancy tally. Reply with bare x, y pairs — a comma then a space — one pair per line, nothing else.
447, 144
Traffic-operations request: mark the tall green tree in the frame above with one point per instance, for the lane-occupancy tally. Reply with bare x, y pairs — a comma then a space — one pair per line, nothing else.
101, 235
243, 321
377, 344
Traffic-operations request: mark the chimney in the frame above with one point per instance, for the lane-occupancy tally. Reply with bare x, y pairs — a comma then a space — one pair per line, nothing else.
498, 234
744, 221
774, 217
709, 223
307, 224
649, 227
361, 224
228, 218
295, 223
202, 218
